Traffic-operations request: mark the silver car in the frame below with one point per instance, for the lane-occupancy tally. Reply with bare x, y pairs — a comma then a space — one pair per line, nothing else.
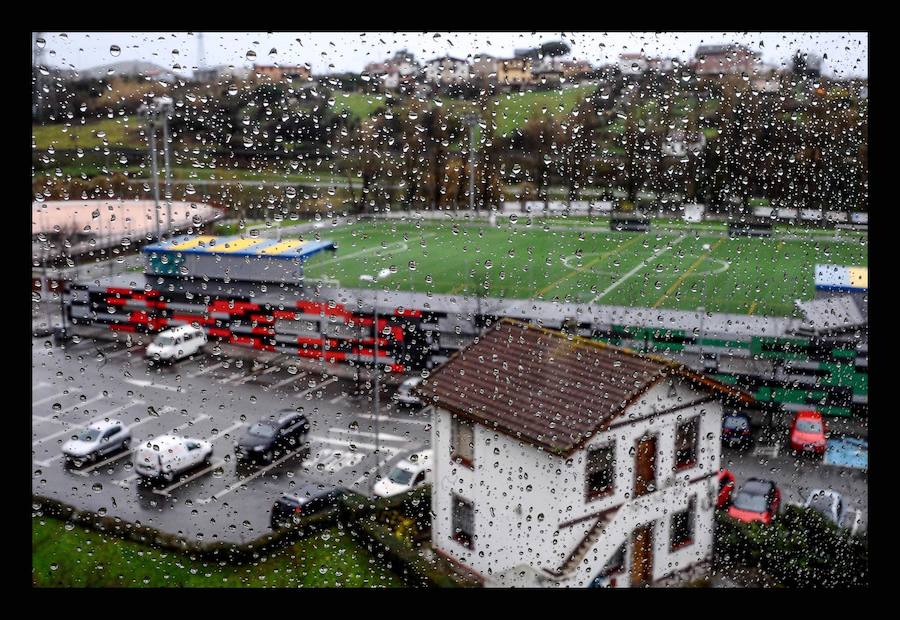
97, 440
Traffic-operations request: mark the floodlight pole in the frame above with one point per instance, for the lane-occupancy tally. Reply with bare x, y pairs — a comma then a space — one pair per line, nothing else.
155, 173
165, 111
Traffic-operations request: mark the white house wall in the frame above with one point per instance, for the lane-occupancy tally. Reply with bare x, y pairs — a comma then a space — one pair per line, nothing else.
522, 494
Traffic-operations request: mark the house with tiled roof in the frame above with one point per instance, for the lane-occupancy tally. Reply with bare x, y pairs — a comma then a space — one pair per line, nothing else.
565, 462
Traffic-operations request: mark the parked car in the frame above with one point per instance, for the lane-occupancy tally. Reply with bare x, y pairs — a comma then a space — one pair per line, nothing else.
406, 475
167, 456
307, 500
808, 433
726, 489
405, 394
177, 343
828, 503
736, 432
757, 500
273, 436
96, 440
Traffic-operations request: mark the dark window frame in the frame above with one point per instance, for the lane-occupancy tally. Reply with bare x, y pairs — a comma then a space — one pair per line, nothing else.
466, 460
592, 493
465, 538
687, 456
683, 533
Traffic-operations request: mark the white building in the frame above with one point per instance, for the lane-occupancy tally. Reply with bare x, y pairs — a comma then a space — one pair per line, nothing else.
633, 64
447, 70
679, 143
565, 462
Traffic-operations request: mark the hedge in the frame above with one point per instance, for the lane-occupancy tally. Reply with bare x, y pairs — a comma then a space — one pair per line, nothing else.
800, 549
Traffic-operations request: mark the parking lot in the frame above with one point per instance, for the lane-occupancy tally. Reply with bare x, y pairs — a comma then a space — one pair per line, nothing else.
215, 398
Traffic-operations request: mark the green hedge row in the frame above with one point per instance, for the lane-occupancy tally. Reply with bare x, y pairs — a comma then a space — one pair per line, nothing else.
800, 549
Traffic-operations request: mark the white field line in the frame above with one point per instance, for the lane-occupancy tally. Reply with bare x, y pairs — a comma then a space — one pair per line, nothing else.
99, 417
634, 270
396, 246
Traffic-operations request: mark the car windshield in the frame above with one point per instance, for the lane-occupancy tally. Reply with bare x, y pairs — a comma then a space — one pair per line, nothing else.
89, 434
750, 501
262, 430
736, 423
400, 475
164, 340
809, 426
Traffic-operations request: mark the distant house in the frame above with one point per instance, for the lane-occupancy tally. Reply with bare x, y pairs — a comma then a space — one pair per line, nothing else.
401, 68
515, 72
632, 63
729, 59
660, 65
221, 72
566, 462
574, 70
679, 143
447, 70
485, 67
278, 73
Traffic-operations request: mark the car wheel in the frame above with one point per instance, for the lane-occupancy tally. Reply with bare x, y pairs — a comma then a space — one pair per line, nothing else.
169, 476
126, 445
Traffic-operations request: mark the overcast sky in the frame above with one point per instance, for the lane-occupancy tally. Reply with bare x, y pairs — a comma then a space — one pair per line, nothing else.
846, 54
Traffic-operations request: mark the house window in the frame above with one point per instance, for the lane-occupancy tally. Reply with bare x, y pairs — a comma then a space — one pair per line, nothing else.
682, 529
600, 474
462, 442
463, 520
686, 437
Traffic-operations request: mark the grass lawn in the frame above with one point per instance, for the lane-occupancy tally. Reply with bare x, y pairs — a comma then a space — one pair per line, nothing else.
64, 555
514, 109
357, 105
115, 131
666, 268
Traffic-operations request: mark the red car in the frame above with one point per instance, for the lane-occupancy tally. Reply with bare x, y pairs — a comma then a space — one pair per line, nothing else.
808, 433
758, 500
726, 488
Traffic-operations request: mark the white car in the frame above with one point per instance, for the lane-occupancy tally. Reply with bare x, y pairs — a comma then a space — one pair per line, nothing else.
176, 343
96, 440
406, 475
405, 393
829, 504
167, 456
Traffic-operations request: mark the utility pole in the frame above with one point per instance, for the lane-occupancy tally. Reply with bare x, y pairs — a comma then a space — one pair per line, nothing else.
471, 119
155, 173
165, 121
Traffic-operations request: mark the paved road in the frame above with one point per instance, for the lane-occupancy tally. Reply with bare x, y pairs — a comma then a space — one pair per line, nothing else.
214, 398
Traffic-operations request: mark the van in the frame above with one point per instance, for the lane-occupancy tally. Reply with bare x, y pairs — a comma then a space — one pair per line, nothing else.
167, 456
176, 343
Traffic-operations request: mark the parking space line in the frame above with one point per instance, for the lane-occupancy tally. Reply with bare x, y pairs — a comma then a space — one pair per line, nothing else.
347, 444
336, 399
207, 369
150, 384
385, 436
39, 385
166, 491
369, 416
52, 396
253, 476
95, 419
85, 472
299, 375
233, 376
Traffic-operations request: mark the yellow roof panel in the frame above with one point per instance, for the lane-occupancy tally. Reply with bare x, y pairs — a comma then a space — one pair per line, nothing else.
236, 245
284, 246
192, 243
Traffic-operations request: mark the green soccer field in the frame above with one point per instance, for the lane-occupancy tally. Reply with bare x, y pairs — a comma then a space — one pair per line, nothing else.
666, 268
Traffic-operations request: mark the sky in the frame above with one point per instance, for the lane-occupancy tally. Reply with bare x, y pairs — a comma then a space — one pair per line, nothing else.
846, 53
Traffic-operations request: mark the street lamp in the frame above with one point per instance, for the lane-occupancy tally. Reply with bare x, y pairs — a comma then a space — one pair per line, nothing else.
375, 331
